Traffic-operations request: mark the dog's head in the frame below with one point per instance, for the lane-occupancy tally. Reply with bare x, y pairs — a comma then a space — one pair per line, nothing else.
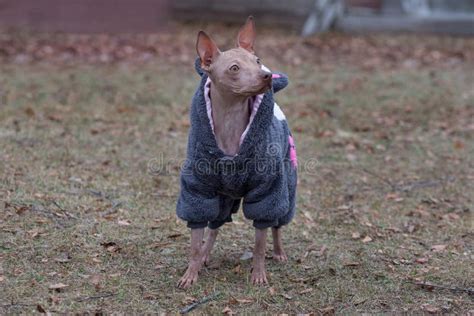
238, 70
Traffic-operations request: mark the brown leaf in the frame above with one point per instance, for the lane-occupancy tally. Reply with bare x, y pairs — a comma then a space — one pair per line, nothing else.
123, 222
438, 248
366, 239
149, 296
189, 300
111, 246
227, 311
271, 290
421, 260
355, 235
308, 290
431, 309
329, 310
459, 145
244, 300
96, 279
288, 297
64, 258
40, 309
30, 112
237, 269
57, 286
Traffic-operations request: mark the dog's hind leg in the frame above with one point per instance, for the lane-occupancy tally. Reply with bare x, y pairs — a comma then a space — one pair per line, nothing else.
208, 245
278, 252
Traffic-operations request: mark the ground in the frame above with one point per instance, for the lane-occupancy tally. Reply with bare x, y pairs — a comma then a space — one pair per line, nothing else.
90, 156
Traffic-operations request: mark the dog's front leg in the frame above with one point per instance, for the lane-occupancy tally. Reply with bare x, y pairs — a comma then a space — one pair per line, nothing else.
195, 259
259, 275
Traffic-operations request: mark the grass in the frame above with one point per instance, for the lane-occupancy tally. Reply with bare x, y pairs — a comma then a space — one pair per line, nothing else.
89, 177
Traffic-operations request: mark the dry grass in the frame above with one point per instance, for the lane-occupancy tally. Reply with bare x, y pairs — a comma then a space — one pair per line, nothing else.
388, 201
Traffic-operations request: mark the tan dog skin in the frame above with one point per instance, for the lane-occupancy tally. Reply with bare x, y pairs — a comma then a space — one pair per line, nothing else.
236, 75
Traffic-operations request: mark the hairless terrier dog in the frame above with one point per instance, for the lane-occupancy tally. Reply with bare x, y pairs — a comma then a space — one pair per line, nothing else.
239, 147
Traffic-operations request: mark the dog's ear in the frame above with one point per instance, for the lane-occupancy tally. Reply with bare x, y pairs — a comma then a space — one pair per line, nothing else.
206, 49
246, 37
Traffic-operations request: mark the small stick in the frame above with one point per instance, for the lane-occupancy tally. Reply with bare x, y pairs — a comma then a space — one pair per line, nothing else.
104, 295
203, 300
429, 285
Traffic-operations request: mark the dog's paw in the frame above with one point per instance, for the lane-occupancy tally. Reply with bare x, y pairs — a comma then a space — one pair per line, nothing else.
189, 278
259, 277
280, 256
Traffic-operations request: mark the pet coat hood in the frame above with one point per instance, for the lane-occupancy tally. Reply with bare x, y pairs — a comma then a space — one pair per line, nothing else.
262, 174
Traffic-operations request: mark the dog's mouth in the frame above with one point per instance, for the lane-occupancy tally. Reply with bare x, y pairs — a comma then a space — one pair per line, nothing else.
264, 87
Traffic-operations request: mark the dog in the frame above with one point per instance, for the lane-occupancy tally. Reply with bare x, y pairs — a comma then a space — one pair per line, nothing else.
239, 148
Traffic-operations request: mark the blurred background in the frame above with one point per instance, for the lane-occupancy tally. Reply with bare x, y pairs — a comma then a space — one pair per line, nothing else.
308, 16
94, 106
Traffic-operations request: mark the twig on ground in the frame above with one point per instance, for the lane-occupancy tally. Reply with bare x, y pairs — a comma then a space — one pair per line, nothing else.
373, 174
94, 297
203, 300
16, 305
430, 286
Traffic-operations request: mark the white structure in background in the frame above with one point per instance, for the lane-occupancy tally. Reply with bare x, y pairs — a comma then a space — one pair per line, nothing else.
416, 7
322, 16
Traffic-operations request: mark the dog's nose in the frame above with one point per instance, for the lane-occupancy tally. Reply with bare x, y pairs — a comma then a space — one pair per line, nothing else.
266, 75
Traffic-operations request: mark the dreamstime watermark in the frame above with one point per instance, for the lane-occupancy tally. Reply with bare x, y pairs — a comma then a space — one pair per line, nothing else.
269, 163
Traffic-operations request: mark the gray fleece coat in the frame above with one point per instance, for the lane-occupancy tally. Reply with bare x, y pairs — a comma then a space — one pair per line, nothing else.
263, 174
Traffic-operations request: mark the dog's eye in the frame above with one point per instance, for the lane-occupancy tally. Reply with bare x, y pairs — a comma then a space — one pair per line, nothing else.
234, 68
258, 61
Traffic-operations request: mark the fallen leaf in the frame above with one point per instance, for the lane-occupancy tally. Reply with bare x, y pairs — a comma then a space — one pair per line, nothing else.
329, 310
438, 248
288, 297
189, 300
421, 260
55, 299
40, 309
244, 300
227, 311
392, 196
431, 309
123, 222
271, 290
65, 257
366, 239
96, 279
111, 246
237, 269
2, 278
355, 235
458, 144
58, 286
149, 296
306, 291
